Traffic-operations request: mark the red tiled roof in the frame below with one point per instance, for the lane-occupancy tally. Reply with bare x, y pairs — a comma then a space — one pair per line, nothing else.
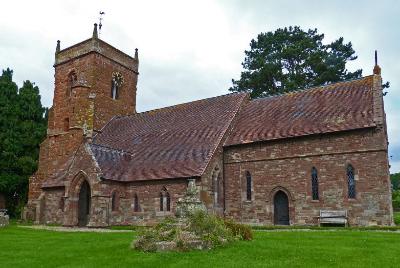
172, 142
341, 106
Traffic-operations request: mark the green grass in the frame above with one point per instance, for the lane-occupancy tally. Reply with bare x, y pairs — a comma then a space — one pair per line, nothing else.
20, 247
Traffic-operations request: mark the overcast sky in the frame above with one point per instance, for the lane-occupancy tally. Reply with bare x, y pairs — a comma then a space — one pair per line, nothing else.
190, 50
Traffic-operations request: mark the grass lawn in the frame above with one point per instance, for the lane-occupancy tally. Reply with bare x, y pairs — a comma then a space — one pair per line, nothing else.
20, 247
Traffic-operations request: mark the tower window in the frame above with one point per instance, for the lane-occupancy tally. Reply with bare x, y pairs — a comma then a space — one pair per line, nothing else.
248, 186
116, 84
114, 90
314, 183
72, 80
66, 124
351, 193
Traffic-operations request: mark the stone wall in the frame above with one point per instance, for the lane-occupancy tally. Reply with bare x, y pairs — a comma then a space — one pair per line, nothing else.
286, 165
101, 213
54, 206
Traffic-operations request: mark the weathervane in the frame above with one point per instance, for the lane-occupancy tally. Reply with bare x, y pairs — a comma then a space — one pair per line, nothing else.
100, 20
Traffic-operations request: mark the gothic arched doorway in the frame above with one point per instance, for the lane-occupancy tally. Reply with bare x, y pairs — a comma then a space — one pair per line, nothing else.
84, 204
281, 208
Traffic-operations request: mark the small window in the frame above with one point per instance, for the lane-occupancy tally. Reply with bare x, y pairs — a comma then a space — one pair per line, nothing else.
72, 80
248, 186
351, 182
161, 202
165, 200
314, 184
168, 201
61, 204
66, 124
136, 203
114, 201
114, 90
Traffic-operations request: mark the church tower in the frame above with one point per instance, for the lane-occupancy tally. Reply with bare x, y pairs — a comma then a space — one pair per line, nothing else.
93, 83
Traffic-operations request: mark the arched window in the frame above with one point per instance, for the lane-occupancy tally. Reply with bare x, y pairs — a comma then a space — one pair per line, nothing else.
168, 201
61, 204
136, 207
351, 184
165, 200
217, 187
114, 89
114, 201
161, 202
116, 83
66, 124
314, 183
248, 186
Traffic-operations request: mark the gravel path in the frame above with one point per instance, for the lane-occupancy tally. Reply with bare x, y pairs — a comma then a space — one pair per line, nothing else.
73, 229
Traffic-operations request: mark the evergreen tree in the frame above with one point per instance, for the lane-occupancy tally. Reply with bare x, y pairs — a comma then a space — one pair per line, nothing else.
290, 59
22, 128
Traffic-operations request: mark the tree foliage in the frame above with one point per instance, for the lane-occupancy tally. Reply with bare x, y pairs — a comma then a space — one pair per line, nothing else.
23, 127
395, 179
290, 59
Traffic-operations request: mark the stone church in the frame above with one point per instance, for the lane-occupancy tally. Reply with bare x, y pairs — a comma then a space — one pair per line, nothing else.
275, 160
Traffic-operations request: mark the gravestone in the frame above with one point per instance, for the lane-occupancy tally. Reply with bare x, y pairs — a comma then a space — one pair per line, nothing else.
4, 219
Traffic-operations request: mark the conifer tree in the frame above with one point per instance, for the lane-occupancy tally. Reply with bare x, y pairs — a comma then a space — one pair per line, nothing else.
291, 59
22, 128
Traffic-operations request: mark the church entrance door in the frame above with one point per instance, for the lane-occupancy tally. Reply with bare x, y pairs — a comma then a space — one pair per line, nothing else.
281, 209
84, 204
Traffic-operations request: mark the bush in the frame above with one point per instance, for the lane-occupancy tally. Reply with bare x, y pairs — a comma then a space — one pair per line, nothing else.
210, 228
397, 218
242, 231
198, 231
396, 199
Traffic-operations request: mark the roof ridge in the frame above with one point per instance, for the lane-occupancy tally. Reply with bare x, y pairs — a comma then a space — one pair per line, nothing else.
315, 87
179, 104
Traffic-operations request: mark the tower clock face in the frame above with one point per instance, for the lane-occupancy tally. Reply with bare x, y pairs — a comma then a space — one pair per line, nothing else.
118, 78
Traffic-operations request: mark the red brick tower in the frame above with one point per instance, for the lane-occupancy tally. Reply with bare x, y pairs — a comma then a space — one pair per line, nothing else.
93, 82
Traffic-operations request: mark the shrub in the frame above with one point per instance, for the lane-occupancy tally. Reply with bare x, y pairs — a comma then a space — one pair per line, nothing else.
198, 231
244, 232
396, 199
210, 228
146, 241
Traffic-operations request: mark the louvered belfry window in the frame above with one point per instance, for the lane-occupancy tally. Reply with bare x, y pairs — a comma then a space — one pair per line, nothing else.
314, 184
351, 182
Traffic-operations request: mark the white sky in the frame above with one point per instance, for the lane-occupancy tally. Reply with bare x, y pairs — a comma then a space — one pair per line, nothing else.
190, 50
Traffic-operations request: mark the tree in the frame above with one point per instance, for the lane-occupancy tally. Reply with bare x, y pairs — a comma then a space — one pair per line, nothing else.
290, 59
395, 179
23, 127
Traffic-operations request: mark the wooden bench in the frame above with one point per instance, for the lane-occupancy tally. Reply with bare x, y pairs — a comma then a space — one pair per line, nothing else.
333, 217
